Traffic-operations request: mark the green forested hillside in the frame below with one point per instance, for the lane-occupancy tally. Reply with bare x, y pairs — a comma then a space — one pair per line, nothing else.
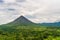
29, 33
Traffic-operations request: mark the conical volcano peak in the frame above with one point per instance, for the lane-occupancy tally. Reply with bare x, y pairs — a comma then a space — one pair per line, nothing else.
21, 18
21, 21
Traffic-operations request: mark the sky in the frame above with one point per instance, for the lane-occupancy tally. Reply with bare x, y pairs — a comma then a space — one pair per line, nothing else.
38, 11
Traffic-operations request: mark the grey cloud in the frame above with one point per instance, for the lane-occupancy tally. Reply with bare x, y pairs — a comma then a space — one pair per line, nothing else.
20, 0
1, 1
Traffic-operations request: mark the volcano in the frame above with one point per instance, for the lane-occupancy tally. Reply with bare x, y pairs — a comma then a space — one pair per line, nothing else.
21, 21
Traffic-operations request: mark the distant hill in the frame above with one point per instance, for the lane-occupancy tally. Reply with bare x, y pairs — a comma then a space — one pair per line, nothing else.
55, 24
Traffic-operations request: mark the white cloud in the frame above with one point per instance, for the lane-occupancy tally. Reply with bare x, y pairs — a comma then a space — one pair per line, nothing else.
7, 18
9, 1
38, 10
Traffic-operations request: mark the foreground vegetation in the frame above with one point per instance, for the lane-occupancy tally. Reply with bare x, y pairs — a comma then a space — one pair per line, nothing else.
29, 33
